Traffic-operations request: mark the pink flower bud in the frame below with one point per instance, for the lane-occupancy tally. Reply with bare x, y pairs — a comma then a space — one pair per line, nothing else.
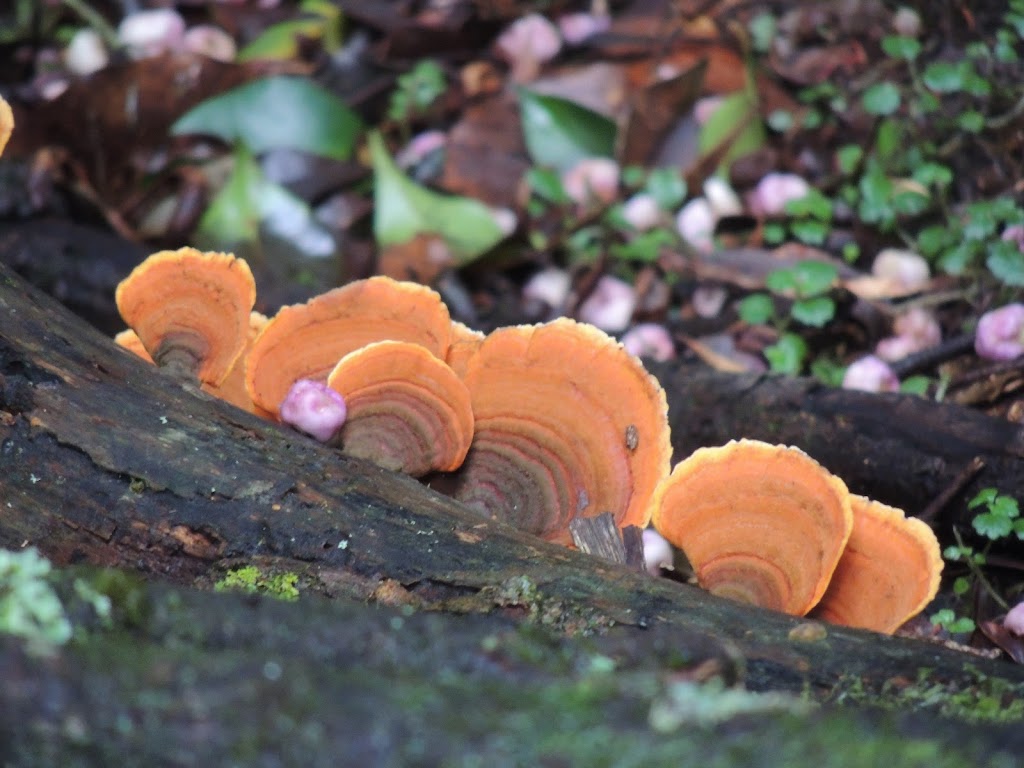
421, 145
642, 212
150, 33
527, 43
314, 408
549, 287
1015, 234
592, 179
695, 223
610, 305
916, 330
1000, 334
649, 340
210, 41
577, 27
870, 375
1014, 620
907, 270
86, 52
774, 191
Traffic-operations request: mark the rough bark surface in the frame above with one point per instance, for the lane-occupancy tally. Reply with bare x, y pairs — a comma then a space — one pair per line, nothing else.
107, 462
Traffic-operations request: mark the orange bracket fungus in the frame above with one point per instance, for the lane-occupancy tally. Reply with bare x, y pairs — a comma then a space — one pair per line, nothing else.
232, 388
407, 410
190, 310
306, 341
759, 523
6, 123
888, 573
567, 424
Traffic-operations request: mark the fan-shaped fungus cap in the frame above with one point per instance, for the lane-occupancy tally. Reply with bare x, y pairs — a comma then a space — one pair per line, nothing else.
407, 410
763, 524
567, 423
190, 310
306, 341
314, 408
6, 123
465, 343
232, 389
888, 573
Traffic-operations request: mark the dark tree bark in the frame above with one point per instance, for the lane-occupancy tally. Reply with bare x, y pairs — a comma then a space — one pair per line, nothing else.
108, 462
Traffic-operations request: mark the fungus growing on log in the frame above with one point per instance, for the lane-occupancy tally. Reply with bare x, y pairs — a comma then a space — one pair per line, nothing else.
407, 410
888, 573
6, 123
190, 310
232, 389
567, 423
759, 523
465, 343
306, 341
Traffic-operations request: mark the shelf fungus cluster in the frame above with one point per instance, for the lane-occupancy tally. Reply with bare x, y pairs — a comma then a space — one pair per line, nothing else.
534, 425
768, 525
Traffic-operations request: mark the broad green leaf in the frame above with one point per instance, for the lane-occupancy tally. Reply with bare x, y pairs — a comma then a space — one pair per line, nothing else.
992, 526
404, 209
985, 496
915, 385
882, 99
813, 204
1006, 262
321, 20
274, 113
781, 281
810, 232
547, 185
559, 133
900, 47
813, 277
249, 206
848, 156
737, 122
668, 187
944, 76
815, 312
787, 355
756, 309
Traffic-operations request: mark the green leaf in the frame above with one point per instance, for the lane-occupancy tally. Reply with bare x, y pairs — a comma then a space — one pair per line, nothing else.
404, 209
931, 240
667, 186
961, 585
736, 121
815, 312
882, 99
813, 204
417, 90
915, 385
1005, 506
274, 113
933, 174
810, 232
971, 121
787, 355
828, 372
909, 202
321, 21
985, 496
848, 157
756, 309
559, 133
813, 277
645, 247
547, 185
1006, 262
249, 206
958, 259
781, 281
774, 233
944, 76
899, 47
993, 526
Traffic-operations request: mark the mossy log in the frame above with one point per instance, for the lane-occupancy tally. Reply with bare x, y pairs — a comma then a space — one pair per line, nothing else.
107, 462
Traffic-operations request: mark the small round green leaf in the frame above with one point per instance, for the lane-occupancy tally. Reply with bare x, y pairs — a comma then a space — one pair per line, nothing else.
882, 99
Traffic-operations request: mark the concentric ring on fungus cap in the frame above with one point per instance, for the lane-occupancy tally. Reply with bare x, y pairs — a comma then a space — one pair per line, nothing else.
407, 410
190, 310
889, 571
567, 423
306, 341
763, 524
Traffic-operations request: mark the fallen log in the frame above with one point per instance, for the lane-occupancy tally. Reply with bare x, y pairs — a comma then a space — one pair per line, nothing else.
110, 463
